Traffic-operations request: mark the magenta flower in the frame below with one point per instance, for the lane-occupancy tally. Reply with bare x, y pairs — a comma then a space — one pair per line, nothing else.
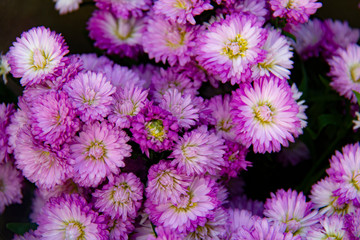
265, 114
91, 62
91, 95
234, 159
6, 111
181, 11
98, 152
294, 11
352, 224
330, 226
10, 186
115, 35
119, 229
122, 77
257, 8
199, 152
345, 71
229, 47
154, 128
168, 41
70, 217
125, 9
121, 198
36, 55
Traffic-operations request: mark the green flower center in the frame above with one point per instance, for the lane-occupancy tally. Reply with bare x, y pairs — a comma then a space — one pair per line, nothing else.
96, 150
175, 37
185, 203
155, 128
355, 72
121, 194
39, 59
74, 230
235, 47
123, 30
263, 113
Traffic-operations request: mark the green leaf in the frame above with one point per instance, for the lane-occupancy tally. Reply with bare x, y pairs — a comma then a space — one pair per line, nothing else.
289, 35
21, 228
327, 119
357, 97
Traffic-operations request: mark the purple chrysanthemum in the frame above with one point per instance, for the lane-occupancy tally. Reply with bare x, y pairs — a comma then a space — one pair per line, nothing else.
91, 62
40, 164
98, 152
119, 229
345, 71
265, 114
229, 47
168, 41
36, 55
91, 95
66, 6
154, 128
70, 217
181, 11
301, 115
122, 77
190, 211
199, 152
294, 11
6, 111
181, 107
165, 183
352, 224
234, 159
116, 35
53, 118
240, 221
292, 209
128, 102
345, 170
10, 185
278, 55
330, 227
121, 198
124, 9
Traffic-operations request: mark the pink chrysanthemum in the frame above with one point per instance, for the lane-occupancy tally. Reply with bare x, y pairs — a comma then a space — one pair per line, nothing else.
66, 6
345, 169
146, 72
124, 9
169, 41
6, 111
234, 159
240, 221
154, 128
292, 209
36, 55
229, 47
70, 217
278, 55
116, 35
92, 95
199, 152
265, 114
122, 77
119, 229
345, 71
181, 107
254, 7
352, 224
330, 227
301, 115
310, 38
121, 197
40, 164
128, 102
165, 183
98, 152
91, 62
190, 211
10, 186
53, 118
182, 11
294, 11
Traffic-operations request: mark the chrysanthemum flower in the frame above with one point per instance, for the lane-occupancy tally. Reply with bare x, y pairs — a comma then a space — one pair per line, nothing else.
165, 183
91, 62
146, 72
168, 41
36, 55
338, 35
6, 111
240, 221
229, 47
10, 186
128, 102
345, 169
91, 95
121, 197
294, 11
70, 217
332, 227
125, 9
254, 7
181, 107
98, 152
123, 77
190, 211
292, 209
345, 71
301, 115
198, 152
4, 67
356, 121
181, 11
234, 159
352, 224
39, 164
265, 114
115, 35
154, 128
310, 38
119, 229
66, 6
53, 118
278, 55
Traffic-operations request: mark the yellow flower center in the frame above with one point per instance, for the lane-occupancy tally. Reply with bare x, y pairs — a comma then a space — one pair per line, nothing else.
96, 150
155, 128
39, 59
355, 72
263, 113
74, 230
235, 47
175, 37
